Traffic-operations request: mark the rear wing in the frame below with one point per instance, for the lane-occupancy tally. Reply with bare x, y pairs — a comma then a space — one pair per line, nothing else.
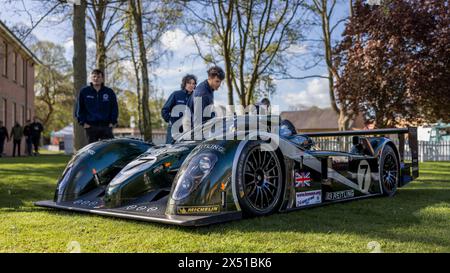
412, 141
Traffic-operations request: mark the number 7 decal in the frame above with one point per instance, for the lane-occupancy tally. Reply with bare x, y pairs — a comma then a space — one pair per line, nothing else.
364, 176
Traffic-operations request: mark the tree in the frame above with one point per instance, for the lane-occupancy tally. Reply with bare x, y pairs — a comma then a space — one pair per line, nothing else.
249, 37
53, 85
145, 23
324, 10
394, 62
136, 13
104, 19
79, 65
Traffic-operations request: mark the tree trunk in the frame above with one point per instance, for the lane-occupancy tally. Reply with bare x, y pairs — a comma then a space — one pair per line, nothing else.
79, 65
100, 58
136, 10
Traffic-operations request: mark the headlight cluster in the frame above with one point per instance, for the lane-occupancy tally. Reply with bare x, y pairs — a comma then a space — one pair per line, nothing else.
198, 168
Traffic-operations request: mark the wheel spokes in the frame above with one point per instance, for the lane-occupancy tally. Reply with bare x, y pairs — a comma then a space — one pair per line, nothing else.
261, 179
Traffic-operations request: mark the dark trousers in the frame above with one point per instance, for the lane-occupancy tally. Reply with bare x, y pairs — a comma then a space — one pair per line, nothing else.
16, 143
169, 138
2, 144
96, 133
29, 149
35, 141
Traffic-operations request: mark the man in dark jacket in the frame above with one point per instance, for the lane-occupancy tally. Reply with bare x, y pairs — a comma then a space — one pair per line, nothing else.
28, 141
16, 135
97, 109
36, 130
3, 135
179, 97
203, 96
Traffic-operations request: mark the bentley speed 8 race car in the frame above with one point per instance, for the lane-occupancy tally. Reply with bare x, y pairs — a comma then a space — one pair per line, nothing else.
231, 171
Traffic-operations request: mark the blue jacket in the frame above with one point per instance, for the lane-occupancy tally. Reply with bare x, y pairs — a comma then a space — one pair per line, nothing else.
97, 108
204, 91
179, 97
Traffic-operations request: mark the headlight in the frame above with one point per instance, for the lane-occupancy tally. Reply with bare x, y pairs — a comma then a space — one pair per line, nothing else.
198, 168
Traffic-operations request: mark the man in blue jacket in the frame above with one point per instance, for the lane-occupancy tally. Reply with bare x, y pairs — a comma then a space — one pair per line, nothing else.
97, 109
179, 97
204, 96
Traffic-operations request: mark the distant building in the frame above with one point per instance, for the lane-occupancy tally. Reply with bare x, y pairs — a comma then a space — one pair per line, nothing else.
316, 119
17, 65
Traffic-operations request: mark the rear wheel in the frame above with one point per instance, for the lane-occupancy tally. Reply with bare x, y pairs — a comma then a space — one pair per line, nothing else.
259, 179
389, 171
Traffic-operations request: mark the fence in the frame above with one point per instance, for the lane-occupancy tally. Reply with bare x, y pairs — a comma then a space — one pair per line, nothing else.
428, 150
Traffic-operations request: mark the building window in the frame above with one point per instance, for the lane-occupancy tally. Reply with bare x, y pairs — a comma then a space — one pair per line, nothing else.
3, 111
20, 69
24, 73
14, 68
22, 115
5, 59
14, 113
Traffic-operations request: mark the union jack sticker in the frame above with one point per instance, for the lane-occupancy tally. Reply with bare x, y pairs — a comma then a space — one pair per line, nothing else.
302, 179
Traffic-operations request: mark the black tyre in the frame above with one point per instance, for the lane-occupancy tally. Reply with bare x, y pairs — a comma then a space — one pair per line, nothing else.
389, 171
259, 180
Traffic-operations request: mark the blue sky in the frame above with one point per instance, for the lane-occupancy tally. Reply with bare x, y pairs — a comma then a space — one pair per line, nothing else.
170, 71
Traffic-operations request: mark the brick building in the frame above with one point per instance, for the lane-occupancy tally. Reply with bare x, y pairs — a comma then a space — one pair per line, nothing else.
17, 65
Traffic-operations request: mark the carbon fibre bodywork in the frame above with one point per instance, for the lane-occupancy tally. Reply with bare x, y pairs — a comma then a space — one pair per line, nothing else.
203, 182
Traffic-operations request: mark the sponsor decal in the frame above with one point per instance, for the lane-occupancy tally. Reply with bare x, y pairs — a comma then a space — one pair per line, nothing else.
90, 97
212, 147
141, 208
105, 97
171, 149
85, 203
199, 209
338, 195
302, 179
308, 198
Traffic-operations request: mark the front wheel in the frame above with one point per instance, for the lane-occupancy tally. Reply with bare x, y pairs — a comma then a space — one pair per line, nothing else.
260, 180
389, 171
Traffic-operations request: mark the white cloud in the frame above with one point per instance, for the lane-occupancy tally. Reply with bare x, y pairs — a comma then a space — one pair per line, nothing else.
316, 93
297, 49
180, 43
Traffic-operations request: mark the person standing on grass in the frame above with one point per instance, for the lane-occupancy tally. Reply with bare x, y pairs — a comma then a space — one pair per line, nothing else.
203, 96
97, 109
3, 136
179, 97
16, 135
36, 130
28, 141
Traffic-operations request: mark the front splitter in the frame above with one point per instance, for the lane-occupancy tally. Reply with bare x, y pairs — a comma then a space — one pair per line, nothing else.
144, 212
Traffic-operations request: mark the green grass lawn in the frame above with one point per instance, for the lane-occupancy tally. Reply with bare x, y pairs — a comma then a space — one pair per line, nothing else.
417, 219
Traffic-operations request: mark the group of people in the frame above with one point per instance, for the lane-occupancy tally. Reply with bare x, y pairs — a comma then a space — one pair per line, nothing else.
31, 131
97, 108
196, 99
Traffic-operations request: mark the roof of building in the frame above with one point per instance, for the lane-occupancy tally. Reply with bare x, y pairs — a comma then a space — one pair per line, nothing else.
316, 118
13, 37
